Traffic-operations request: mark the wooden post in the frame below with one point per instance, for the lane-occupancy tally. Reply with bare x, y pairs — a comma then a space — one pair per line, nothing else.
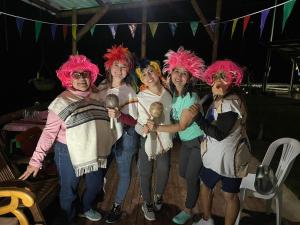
74, 41
217, 31
92, 21
144, 33
202, 19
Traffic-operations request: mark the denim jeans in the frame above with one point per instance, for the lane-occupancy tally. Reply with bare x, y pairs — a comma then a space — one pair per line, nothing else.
124, 150
69, 183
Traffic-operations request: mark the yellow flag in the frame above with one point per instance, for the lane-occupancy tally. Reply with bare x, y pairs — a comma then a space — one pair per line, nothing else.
233, 27
74, 31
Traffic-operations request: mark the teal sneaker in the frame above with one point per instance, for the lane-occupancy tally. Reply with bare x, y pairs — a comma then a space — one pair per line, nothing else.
92, 215
181, 218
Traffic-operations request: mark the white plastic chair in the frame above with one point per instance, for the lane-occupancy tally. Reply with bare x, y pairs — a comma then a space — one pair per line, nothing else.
290, 150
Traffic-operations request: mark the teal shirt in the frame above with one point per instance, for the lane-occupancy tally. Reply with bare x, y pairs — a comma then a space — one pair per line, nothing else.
178, 105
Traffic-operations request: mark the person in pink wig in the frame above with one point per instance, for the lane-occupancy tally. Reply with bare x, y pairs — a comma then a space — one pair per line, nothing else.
119, 62
225, 149
74, 125
185, 68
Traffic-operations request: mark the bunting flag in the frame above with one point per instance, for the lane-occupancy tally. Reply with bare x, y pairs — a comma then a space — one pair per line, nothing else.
37, 28
263, 18
113, 29
245, 23
173, 27
212, 25
153, 28
194, 26
74, 31
132, 28
287, 9
53, 30
233, 26
225, 27
92, 30
65, 31
20, 23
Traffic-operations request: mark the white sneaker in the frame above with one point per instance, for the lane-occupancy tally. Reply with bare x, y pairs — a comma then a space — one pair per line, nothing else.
210, 221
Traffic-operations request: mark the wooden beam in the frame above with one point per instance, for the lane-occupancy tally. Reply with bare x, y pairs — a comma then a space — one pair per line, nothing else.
68, 13
45, 6
217, 31
202, 19
92, 21
74, 41
144, 33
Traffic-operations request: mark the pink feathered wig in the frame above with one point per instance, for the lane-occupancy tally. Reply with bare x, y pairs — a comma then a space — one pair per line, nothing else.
186, 59
117, 53
76, 63
225, 70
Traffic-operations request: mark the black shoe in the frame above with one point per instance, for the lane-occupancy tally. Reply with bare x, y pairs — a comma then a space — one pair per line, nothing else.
115, 214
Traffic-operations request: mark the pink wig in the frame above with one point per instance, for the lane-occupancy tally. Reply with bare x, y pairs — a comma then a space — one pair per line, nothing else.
225, 70
117, 53
76, 63
186, 59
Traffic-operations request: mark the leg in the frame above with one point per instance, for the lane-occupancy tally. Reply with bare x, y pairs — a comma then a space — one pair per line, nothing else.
68, 181
124, 153
162, 172
206, 199
183, 159
192, 174
145, 167
93, 186
232, 207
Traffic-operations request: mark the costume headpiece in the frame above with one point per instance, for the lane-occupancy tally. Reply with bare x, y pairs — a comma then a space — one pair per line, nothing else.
117, 53
186, 59
144, 63
225, 70
76, 63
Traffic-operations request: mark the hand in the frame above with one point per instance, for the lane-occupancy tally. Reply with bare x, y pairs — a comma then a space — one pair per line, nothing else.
194, 110
151, 125
145, 129
113, 113
30, 170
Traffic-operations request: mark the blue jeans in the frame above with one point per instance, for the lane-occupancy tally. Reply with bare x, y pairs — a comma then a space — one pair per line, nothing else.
124, 150
69, 183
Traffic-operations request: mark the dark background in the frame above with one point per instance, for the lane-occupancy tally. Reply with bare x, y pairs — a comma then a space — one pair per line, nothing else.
22, 56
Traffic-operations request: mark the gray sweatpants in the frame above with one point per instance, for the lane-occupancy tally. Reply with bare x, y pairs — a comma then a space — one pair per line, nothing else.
145, 169
190, 164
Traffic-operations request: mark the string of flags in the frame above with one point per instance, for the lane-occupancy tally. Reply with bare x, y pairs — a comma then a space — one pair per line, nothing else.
287, 9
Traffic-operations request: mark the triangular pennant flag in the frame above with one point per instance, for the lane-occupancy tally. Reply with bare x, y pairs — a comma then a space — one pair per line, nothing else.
212, 25
194, 26
92, 29
153, 28
132, 28
20, 23
245, 24
65, 31
53, 30
37, 28
234, 22
173, 27
263, 18
74, 31
113, 29
287, 9
225, 27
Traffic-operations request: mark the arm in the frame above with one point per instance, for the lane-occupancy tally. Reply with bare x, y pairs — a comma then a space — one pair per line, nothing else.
184, 122
222, 128
141, 130
46, 141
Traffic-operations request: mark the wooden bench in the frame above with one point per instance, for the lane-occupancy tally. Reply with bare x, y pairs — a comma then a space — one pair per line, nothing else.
44, 189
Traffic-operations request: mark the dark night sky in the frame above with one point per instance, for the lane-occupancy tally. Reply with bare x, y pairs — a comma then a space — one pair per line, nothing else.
22, 57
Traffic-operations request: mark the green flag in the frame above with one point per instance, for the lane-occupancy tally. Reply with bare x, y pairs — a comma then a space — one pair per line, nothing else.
37, 26
194, 26
287, 9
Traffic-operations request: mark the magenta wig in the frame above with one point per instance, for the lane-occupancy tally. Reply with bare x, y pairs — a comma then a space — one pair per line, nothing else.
76, 63
117, 53
186, 59
225, 70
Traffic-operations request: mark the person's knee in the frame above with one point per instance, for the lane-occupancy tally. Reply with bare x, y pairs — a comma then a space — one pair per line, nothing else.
231, 197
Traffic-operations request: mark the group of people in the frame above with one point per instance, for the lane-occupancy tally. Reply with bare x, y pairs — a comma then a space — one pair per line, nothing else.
78, 128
